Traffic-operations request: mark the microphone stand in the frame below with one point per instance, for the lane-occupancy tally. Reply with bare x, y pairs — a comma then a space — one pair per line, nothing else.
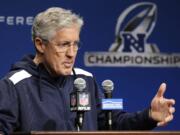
79, 120
109, 112
109, 120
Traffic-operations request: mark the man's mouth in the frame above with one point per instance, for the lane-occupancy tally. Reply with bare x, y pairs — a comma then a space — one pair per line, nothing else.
68, 64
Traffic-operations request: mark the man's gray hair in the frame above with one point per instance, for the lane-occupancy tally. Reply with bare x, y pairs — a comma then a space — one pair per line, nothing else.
47, 23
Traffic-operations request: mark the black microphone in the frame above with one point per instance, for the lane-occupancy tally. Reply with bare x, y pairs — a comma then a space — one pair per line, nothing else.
79, 101
108, 87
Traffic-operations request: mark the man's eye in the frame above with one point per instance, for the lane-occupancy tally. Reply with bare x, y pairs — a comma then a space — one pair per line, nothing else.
65, 44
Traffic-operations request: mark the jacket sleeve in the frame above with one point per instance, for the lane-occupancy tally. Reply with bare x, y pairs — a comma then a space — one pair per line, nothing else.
123, 120
8, 107
133, 121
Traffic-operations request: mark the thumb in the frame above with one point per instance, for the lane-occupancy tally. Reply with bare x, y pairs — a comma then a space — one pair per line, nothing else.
161, 90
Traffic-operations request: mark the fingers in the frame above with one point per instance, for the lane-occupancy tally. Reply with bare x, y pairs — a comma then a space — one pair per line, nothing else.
171, 110
161, 90
167, 119
170, 102
161, 124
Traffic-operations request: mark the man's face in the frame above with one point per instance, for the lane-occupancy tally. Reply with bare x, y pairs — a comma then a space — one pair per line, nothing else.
60, 53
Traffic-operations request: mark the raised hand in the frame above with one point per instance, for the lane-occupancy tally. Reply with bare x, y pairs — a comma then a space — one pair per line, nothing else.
161, 108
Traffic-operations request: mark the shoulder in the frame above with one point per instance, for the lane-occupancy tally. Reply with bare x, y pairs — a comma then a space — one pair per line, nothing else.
18, 76
79, 71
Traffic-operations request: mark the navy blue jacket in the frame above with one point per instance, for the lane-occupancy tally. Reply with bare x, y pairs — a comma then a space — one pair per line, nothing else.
32, 100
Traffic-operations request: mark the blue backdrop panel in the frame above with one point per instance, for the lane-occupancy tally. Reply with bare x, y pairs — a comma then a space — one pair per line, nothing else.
136, 85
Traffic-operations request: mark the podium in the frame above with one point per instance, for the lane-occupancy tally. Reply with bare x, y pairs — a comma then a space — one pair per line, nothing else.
103, 133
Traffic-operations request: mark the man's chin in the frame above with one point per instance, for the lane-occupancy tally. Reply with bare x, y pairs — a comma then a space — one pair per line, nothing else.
67, 72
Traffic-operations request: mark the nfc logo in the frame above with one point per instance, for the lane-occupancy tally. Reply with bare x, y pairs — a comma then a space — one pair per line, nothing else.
134, 25
131, 43
131, 46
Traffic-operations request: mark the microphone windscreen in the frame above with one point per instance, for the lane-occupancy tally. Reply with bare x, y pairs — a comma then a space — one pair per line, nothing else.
80, 84
108, 86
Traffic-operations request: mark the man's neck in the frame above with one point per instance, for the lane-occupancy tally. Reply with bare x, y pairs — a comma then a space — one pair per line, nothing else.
37, 60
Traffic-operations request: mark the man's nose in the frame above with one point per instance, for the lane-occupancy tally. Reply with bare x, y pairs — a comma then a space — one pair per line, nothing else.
70, 51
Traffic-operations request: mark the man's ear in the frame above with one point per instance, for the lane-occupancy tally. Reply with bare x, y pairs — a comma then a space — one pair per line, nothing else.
40, 46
